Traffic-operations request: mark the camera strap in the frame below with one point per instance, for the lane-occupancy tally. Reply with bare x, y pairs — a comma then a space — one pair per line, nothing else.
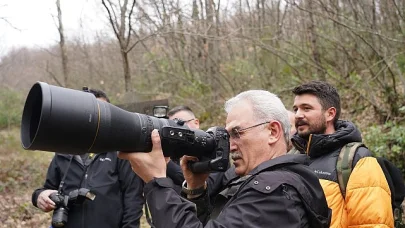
64, 176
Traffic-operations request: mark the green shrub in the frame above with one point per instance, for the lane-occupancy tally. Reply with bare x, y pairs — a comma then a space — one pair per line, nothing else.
11, 106
387, 141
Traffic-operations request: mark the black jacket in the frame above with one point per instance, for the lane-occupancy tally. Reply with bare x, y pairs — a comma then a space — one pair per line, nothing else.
174, 172
118, 190
281, 192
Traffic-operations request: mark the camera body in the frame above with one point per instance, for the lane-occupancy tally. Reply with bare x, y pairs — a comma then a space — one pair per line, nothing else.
64, 202
210, 147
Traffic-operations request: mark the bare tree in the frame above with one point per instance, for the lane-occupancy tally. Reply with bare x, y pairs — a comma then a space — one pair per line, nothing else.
314, 41
63, 48
5, 19
120, 17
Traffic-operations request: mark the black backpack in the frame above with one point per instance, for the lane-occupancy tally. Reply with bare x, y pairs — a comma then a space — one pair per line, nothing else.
392, 174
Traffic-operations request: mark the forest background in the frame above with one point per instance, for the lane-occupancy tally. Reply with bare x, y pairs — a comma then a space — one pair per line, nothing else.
200, 53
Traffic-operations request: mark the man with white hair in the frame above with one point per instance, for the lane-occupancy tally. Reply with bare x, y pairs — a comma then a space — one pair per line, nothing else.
266, 188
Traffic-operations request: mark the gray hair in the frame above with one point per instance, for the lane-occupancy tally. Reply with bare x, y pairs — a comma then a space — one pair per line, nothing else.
266, 106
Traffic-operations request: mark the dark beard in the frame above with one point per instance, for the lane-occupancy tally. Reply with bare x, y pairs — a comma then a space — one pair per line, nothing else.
304, 135
319, 127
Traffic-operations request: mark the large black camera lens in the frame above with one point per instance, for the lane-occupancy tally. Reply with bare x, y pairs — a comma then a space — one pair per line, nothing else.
75, 122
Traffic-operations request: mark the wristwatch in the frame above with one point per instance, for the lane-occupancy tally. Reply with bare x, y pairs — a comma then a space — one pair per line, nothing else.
193, 192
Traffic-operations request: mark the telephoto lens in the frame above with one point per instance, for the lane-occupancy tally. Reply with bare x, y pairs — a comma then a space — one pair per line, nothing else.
71, 121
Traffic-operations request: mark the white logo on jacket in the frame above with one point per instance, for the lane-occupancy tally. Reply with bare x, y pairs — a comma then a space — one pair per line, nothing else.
105, 159
322, 172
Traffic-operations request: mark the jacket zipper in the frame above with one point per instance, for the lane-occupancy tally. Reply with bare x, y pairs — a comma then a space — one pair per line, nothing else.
85, 185
86, 169
308, 144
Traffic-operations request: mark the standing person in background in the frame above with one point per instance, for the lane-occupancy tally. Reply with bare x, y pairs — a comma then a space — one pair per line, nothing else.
118, 191
183, 114
366, 201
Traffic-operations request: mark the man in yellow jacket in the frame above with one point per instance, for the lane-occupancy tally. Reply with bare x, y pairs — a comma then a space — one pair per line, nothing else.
321, 135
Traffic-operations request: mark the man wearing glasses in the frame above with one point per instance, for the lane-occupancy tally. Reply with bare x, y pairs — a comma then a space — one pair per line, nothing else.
184, 115
272, 189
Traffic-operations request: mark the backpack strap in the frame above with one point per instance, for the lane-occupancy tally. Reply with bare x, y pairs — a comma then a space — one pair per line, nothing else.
345, 163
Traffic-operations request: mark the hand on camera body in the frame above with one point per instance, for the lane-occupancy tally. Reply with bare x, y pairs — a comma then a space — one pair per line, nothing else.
148, 165
194, 180
44, 202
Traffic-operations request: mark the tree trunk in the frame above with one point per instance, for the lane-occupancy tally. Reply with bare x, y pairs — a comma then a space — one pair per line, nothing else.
127, 74
62, 46
122, 28
314, 46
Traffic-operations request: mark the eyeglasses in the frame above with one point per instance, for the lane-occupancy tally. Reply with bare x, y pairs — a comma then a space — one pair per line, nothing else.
235, 132
182, 122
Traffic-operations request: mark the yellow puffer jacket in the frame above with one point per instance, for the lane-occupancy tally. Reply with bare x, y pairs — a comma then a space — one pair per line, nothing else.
368, 197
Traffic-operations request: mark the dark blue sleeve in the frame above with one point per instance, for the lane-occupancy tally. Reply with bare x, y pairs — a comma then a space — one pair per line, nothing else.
132, 195
167, 207
175, 173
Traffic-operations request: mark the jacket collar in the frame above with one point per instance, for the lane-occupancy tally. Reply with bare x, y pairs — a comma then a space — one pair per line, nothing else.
281, 161
230, 174
320, 144
78, 158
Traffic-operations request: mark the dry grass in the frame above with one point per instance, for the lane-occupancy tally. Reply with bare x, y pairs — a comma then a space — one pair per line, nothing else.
20, 173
